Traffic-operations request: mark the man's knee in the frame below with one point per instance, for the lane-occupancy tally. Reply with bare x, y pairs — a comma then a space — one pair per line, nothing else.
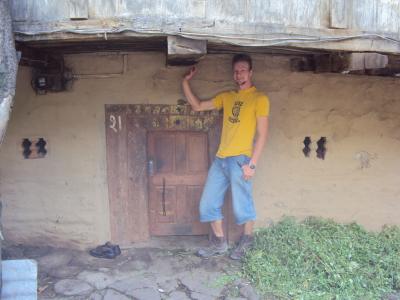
209, 211
244, 211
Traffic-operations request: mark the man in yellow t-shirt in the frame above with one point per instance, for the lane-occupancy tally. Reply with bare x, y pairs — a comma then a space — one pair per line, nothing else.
244, 133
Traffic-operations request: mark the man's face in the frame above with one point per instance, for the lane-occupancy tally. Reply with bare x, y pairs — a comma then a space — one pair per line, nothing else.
242, 73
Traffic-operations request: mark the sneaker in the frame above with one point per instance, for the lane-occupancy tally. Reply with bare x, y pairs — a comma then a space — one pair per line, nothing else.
245, 243
217, 246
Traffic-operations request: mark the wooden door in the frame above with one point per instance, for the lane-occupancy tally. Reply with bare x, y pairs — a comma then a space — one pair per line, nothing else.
180, 165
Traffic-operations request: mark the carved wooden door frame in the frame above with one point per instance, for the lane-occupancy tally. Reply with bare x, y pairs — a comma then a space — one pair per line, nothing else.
126, 139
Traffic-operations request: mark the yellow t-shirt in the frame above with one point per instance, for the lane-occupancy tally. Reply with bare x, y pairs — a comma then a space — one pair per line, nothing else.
241, 110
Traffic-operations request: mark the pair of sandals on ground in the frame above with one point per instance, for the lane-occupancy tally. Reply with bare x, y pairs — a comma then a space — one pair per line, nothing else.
107, 250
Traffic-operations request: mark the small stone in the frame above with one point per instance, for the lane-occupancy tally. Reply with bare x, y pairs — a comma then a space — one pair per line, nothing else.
130, 285
248, 292
178, 295
135, 265
142, 255
95, 296
200, 296
65, 272
168, 285
104, 270
162, 266
114, 295
201, 282
97, 279
72, 287
54, 260
146, 294
84, 259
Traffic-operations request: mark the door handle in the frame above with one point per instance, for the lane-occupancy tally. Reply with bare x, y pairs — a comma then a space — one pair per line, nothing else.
150, 167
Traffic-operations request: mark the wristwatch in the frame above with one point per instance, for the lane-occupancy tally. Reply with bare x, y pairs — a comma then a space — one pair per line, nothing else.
252, 166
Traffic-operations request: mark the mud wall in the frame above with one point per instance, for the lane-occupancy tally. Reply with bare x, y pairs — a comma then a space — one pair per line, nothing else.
62, 199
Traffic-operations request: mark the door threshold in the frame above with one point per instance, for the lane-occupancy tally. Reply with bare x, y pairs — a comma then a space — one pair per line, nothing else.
172, 242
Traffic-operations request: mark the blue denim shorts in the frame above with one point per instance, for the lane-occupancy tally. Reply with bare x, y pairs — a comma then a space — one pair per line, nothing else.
224, 172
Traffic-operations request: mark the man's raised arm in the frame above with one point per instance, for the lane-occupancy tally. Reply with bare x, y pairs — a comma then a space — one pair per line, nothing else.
195, 102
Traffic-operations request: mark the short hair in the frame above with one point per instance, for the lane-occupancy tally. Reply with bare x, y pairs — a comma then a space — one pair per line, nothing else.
242, 57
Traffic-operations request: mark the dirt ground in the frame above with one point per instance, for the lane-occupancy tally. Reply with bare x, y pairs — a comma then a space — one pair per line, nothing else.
163, 268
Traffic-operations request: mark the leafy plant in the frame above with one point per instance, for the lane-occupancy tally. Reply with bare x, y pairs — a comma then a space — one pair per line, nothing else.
321, 259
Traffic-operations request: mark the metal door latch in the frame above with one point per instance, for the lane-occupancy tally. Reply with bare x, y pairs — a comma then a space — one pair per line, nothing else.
150, 167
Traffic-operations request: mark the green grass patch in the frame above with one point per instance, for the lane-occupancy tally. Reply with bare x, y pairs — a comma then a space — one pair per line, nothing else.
321, 259
227, 279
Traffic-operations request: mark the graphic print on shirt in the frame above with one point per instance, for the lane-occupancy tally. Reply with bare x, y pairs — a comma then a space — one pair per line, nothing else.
235, 112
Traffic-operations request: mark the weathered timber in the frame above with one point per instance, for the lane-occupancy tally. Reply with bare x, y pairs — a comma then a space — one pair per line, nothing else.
335, 25
302, 64
8, 66
363, 61
349, 63
78, 9
183, 51
339, 10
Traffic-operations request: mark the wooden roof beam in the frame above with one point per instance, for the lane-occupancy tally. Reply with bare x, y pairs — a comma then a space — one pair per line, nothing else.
184, 51
349, 63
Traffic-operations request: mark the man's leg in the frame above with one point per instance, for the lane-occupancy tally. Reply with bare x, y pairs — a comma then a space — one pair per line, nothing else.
245, 242
243, 205
217, 228
248, 228
211, 204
